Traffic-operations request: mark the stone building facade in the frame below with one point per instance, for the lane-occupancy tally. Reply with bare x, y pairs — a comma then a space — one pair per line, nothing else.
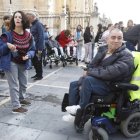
56, 14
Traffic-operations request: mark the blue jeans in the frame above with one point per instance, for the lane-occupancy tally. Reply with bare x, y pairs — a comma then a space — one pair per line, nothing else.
92, 86
17, 80
74, 93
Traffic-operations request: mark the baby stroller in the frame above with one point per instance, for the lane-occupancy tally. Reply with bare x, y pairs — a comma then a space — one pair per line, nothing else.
52, 53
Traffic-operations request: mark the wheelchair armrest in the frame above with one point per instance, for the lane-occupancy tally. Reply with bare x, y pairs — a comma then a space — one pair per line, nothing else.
126, 86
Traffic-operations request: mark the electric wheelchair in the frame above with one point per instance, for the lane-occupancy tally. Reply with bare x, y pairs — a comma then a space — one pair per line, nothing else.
109, 113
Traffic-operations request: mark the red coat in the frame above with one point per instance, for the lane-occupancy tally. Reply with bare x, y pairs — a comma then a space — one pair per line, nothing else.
63, 39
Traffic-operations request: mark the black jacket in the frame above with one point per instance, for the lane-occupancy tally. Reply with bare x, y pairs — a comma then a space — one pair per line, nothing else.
133, 35
118, 67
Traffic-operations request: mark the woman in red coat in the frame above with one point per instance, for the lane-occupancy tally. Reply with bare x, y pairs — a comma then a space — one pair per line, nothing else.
63, 39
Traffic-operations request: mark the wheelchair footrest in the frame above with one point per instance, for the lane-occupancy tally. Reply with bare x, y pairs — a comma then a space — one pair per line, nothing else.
105, 123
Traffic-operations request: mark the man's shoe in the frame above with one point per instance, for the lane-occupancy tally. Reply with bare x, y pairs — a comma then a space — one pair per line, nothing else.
34, 76
72, 109
38, 78
25, 102
68, 118
19, 110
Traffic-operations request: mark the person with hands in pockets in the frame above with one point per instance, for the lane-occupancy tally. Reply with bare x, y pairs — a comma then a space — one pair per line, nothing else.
37, 31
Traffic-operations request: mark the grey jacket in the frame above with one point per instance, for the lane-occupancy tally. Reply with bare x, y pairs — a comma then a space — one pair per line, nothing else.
118, 67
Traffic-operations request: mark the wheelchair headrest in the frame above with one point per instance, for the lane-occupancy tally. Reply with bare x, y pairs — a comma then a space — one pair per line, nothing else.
126, 86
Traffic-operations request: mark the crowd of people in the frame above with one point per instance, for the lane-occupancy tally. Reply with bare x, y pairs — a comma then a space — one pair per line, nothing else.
24, 39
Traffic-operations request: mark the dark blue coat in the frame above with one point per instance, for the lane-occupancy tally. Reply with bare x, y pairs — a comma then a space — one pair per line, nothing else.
38, 34
118, 67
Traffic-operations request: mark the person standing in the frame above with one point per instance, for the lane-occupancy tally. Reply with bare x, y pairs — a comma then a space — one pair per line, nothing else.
92, 40
5, 27
38, 34
17, 48
88, 45
132, 38
79, 38
130, 25
6, 20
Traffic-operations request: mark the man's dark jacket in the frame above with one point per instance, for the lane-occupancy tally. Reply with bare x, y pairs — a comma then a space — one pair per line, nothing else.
38, 34
133, 35
118, 67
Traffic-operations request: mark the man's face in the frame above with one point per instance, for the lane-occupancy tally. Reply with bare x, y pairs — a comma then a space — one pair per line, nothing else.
30, 18
114, 40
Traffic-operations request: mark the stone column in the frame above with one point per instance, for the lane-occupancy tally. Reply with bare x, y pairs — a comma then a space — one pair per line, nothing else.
63, 16
94, 19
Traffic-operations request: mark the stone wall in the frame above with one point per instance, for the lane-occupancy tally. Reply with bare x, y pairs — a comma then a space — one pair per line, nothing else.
57, 14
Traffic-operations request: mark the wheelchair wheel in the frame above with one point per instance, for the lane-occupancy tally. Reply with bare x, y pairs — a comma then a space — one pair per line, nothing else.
98, 134
78, 122
131, 126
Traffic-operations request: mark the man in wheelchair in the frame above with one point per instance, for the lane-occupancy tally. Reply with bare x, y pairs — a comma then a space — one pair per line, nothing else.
112, 64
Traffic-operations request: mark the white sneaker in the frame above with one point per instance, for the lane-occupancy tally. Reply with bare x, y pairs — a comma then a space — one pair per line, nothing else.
72, 109
68, 118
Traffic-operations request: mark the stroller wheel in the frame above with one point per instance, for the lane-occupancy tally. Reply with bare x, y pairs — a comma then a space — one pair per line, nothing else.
98, 133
